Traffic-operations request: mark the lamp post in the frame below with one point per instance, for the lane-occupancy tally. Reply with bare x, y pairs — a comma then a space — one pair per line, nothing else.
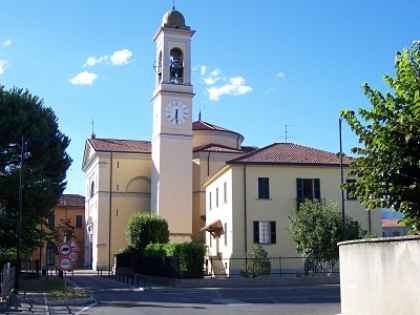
340, 127
19, 217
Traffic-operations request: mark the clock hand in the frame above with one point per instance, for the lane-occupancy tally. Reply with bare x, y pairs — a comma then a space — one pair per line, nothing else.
176, 116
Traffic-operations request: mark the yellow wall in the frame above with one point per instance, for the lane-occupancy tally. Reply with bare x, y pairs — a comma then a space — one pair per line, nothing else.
279, 207
203, 137
62, 215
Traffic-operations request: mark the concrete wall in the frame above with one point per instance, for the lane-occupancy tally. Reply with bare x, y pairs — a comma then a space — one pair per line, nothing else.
380, 276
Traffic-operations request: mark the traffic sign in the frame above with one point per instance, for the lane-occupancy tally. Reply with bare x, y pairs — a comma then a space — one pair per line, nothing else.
65, 249
74, 257
65, 264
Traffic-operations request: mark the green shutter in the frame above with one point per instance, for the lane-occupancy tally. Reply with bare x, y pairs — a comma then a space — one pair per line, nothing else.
273, 232
317, 189
299, 191
256, 232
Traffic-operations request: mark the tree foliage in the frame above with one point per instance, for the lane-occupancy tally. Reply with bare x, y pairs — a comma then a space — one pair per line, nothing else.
387, 166
144, 229
258, 263
24, 116
317, 228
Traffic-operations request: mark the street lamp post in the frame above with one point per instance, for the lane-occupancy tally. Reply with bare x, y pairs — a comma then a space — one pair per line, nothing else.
340, 123
19, 217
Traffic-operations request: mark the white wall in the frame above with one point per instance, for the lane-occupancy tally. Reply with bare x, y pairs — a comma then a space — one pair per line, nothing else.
380, 276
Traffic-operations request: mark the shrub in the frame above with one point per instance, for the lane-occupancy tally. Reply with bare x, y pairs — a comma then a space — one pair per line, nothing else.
157, 249
317, 228
145, 228
189, 257
258, 263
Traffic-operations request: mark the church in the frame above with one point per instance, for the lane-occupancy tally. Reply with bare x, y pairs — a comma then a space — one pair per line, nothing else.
170, 174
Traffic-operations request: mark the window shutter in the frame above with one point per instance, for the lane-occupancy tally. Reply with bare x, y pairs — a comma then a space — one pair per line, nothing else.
317, 189
299, 189
273, 232
256, 232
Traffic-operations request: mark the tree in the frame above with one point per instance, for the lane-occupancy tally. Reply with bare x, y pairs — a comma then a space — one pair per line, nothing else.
258, 263
144, 229
387, 165
317, 228
24, 117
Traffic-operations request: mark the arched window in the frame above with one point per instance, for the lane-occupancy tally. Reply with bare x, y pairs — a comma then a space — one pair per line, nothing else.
92, 189
176, 73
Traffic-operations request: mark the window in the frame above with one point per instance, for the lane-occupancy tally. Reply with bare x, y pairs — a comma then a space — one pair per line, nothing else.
176, 68
350, 191
210, 205
217, 197
263, 188
265, 232
225, 228
51, 221
225, 192
79, 221
308, 188
118, 164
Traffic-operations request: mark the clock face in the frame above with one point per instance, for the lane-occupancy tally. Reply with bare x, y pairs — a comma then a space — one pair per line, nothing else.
177, 113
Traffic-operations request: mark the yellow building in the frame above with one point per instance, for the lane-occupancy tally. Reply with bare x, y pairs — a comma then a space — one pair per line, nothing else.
68, 219
166, 174
249, 201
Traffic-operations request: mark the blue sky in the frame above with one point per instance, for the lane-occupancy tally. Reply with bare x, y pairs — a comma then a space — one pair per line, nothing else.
270, 63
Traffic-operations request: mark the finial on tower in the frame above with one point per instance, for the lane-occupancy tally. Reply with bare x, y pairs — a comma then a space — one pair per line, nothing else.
173, 5
199, 115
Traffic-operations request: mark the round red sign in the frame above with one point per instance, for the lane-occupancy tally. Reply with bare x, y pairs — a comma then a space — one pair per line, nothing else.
66, 264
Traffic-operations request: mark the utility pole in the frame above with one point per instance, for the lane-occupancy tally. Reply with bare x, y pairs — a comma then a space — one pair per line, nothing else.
340, 127
19, 217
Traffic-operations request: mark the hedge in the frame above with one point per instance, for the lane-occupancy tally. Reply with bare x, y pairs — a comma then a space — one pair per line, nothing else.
145, 228
188, 257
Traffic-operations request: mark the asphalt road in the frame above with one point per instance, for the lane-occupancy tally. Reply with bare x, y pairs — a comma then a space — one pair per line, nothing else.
117, 298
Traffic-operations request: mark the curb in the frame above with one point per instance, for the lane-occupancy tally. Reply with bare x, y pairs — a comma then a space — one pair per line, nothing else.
71, 302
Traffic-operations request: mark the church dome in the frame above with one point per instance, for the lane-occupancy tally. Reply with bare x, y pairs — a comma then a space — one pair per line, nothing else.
174, 18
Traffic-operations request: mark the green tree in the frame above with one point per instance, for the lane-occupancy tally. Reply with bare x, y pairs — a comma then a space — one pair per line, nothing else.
144, 229
387, 165
257, 264
24, 116
317, 228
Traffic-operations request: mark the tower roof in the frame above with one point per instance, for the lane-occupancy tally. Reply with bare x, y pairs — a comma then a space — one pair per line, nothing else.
174, 18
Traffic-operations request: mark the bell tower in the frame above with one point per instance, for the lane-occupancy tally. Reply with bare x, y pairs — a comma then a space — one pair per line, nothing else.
171, 190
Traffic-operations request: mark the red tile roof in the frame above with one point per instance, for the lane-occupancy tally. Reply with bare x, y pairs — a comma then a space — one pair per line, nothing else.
203, 125
217, 148
391, 223
117, 145
292, 154
71, 201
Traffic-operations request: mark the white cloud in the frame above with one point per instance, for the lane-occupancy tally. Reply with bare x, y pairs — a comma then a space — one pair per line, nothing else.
93, 61
3, 65
281, 75
7, 43
118, 58
203, 70
84, 78
236, 86
213, 77
121, 57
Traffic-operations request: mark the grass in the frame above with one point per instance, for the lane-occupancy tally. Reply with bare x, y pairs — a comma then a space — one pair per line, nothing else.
55, 287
